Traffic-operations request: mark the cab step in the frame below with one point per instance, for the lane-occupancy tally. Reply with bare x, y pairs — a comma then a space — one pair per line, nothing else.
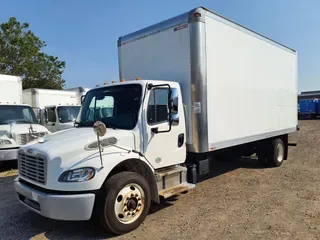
166, 193
172, 181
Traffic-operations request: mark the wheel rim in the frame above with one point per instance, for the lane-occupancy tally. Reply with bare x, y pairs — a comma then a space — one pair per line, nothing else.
280, 152
129, 203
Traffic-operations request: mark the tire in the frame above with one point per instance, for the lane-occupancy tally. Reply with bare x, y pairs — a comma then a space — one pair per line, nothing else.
124, 202
276, 153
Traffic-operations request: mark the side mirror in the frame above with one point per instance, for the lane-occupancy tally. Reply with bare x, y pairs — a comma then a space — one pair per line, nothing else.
99, 128
174, 102
39, 115
82, 98
37, 112
46, 115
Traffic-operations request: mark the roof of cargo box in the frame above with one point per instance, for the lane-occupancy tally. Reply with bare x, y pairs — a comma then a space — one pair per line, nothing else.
5, 77
189, 17
50, 91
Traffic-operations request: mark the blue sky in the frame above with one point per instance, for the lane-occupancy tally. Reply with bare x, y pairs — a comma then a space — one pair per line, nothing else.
84, 33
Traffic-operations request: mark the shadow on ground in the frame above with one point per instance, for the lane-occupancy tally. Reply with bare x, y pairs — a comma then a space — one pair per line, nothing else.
221, 167
8, 165
32, 225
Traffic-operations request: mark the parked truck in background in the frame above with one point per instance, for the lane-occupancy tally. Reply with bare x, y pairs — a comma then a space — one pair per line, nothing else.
57, 109
309, 108
164, 131
18, 123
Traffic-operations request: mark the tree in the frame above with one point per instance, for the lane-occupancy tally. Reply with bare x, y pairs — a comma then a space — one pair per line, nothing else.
20, 55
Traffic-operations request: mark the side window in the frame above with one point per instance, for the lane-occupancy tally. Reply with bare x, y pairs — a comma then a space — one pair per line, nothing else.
27, 114
51, 115
158, 111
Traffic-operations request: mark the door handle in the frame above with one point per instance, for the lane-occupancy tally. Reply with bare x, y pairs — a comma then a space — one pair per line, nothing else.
180, 140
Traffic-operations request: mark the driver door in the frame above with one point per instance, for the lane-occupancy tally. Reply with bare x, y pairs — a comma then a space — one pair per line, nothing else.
50, 119
167, 147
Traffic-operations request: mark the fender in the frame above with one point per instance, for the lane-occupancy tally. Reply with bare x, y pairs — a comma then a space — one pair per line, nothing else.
142, 167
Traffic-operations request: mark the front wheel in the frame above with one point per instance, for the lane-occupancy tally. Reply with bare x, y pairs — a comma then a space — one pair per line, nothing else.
125, 203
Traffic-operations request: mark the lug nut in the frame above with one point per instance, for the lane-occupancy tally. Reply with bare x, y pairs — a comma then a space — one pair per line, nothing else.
132, 195
128, 214
136, 195
125, 210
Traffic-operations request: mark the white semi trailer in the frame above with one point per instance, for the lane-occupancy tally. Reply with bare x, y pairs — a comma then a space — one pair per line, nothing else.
18, 123
210, 87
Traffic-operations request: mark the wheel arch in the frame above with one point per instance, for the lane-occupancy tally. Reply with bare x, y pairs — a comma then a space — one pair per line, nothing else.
140, 167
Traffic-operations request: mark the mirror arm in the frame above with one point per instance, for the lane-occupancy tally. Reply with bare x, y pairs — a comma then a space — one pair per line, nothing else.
99, 144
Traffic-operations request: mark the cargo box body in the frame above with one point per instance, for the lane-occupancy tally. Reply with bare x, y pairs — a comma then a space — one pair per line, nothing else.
237, 85
10, 89
40, 98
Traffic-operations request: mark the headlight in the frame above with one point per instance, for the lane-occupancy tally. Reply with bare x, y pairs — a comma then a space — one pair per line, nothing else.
4, 142
77, 175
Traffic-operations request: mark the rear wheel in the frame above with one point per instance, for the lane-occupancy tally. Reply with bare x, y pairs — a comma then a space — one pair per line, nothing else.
125, 203
276, 153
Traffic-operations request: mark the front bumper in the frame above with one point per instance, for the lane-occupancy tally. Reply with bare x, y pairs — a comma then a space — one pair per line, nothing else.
8, 154
73, 207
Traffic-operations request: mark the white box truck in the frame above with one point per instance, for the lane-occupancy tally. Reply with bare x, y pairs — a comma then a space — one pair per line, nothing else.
210, 87
58, 108
18, 123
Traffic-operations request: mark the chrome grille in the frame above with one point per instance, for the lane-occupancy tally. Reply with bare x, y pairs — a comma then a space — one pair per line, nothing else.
33, 167
25, 138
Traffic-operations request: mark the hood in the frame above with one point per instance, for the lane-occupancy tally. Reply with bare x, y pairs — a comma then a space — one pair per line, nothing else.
20, 129
74, 144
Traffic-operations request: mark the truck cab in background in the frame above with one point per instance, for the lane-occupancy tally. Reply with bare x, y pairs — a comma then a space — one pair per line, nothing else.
56, 109
60, 117
18, 123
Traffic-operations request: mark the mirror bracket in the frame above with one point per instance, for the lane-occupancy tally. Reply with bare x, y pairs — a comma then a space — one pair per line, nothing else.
155, 130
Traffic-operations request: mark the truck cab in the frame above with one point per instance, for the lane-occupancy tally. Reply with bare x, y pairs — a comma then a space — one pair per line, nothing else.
55, 109
145, 134
18, 127
60, 117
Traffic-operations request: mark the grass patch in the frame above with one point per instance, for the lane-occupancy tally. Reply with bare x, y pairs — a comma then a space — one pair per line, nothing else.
11, 172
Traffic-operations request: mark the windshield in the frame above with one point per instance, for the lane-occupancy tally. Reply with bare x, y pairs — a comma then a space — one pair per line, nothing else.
17, 114
68, 113
116, 107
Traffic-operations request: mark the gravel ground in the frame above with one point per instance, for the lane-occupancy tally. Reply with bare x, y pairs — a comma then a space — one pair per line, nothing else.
241, 201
